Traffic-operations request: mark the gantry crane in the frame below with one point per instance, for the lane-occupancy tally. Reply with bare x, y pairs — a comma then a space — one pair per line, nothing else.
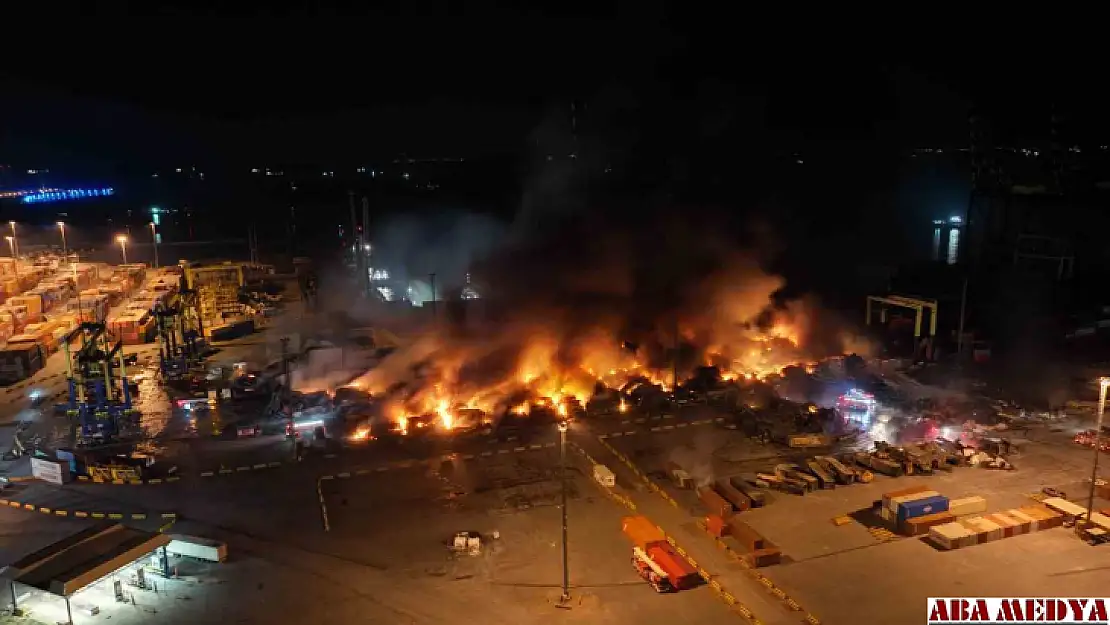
919, 306
99, 394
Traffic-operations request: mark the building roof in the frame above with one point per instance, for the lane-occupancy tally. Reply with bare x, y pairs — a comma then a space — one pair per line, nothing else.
77, 561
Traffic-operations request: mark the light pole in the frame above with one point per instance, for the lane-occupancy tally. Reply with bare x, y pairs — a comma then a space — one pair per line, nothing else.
122, 240
62, 230
154, 239
1103, 383
563, 483
15, 260
14, 242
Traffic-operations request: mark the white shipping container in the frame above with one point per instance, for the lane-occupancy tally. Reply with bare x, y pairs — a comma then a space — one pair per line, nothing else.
967, 505
604, 476
195, 547
898, 501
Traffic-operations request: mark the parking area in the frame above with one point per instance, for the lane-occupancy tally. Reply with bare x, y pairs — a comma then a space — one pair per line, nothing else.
403, 522
833, 570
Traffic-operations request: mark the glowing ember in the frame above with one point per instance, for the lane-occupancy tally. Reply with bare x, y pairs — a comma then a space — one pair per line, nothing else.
361, 434
623, 407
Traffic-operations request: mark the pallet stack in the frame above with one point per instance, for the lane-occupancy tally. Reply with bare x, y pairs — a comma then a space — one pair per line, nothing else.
990, 527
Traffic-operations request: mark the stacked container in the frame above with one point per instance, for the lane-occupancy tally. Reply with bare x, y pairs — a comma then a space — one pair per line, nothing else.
991, 527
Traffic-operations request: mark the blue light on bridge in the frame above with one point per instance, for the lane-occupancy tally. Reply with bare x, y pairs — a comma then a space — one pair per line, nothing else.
61, 195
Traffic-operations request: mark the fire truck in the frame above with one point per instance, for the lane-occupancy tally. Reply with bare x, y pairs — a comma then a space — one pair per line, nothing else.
664, 569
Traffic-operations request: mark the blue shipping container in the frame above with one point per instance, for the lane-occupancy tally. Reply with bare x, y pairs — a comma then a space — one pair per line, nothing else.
921, 507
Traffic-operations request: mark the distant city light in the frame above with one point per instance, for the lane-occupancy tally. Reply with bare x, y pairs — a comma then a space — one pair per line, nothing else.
61, 195
956, 220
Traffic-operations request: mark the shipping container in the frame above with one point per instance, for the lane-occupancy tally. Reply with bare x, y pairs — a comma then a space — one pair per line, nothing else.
716, 526
887, 497
825, 480
967, 505
740, 502
746, 535
921, 507
757, 497
641, 531
767, 556
714, 503
895, 502
921, 525
20, 362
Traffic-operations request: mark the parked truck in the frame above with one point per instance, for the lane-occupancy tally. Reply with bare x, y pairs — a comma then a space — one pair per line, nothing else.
196, 547
666, 571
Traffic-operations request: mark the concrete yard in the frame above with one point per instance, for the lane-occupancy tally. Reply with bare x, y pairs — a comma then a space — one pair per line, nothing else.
833, 571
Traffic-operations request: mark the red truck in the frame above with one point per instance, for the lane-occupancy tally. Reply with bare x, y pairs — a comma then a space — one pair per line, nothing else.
663, 568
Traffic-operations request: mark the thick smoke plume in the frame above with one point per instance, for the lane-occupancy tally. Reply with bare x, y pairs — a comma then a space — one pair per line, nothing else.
585, 298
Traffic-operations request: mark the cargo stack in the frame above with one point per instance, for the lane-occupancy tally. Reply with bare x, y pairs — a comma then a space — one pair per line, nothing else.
991, 527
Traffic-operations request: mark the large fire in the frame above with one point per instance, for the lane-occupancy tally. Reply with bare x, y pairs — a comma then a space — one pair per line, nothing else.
542, 361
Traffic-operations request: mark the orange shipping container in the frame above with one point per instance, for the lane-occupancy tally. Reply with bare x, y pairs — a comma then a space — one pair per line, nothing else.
746, 535
641, 531
716, 526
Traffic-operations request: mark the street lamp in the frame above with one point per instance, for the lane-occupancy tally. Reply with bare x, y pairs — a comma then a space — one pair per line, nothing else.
563, 426
15, 259
154, 238
1103, 383
13, 241
62, 229
122, 240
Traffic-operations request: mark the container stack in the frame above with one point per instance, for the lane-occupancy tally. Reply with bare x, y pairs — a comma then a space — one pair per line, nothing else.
991, 527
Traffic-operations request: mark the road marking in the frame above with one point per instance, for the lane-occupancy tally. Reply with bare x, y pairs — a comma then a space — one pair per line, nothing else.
261, 466
207, 473
81, 515
381, 469
519, 449
668, 427
274, 464
45, 510
535, 447
640, 420
98, 515
344, 474
487, 453
138, 516
656, 428
603, 436
327, 477
625, 422
549, 444
242, 468
502, 451
616, 434
631, 433
682, 425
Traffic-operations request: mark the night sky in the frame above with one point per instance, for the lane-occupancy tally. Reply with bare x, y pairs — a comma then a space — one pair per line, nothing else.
182, 89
